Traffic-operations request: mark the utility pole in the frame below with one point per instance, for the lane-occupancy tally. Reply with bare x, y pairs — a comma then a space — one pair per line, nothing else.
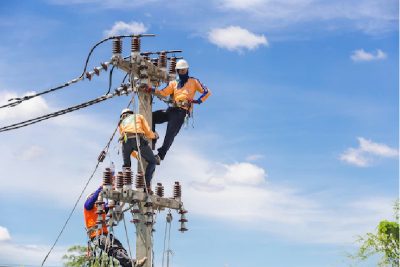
144, 72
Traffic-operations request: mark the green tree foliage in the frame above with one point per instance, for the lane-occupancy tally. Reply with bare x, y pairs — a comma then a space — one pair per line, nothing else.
77, 257
385, 242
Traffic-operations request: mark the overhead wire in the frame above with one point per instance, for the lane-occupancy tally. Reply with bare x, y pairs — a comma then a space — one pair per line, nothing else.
19, 100
119, 91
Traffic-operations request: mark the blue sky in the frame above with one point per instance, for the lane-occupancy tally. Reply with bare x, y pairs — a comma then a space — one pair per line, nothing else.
294, 154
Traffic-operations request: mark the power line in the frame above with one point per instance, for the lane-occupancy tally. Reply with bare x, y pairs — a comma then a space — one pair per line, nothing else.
119, 91
18, 100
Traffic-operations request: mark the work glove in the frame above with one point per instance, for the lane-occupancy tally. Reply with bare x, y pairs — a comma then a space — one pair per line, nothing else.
149, 89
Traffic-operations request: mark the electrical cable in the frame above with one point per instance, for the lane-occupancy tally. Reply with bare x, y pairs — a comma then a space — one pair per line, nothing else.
19, 100
119, 91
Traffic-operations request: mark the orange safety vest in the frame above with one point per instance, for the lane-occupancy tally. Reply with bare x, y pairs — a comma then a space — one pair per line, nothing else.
186, 93
140, 125
90, 222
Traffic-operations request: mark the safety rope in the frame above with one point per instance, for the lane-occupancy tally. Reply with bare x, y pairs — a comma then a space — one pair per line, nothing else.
119, 91
127, 240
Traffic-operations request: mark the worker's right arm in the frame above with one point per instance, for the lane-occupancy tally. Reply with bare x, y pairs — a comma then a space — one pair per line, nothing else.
169, 89
146, 128
89, 204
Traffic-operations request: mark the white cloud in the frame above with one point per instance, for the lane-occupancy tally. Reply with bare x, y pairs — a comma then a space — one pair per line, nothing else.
254, 157
236, 38
30, 153
376, 148
239, 194
367, 15
355, 157
120, 28
30, 254
34, 107
70, 143
4, 234
367, 152
361, 55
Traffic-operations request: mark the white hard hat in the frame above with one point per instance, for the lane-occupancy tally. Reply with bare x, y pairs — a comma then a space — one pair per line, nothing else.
181, 64
126, 110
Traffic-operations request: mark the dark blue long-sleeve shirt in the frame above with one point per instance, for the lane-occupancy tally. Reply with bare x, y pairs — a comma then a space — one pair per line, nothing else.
90, 201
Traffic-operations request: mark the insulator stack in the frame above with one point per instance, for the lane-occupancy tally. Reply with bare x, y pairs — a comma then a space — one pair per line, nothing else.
149, 220
140, 184
172, 65
177, 190
160, 190
135, 44
162, 60
183, 220
127, 174
107, 180
120, 181
183, 227
117, 46
100, 210
183, 217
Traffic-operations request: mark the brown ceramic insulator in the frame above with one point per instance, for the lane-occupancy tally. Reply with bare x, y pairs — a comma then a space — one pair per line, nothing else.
177, 190
107, 180
117, 46
140, 180
127, 176
120, 180
88, 76
182, 211
162, 60
135, 44
160, 190
104, 66
172, 65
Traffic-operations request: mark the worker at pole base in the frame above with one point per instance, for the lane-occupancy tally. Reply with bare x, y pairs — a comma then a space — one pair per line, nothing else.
102, 238
133, 129
183, 90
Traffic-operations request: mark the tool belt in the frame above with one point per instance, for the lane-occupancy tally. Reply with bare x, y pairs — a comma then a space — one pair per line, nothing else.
91, 230
134, 135
181, 104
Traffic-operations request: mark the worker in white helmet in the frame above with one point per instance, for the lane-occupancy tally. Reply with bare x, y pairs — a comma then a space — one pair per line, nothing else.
183, 91
132, 127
